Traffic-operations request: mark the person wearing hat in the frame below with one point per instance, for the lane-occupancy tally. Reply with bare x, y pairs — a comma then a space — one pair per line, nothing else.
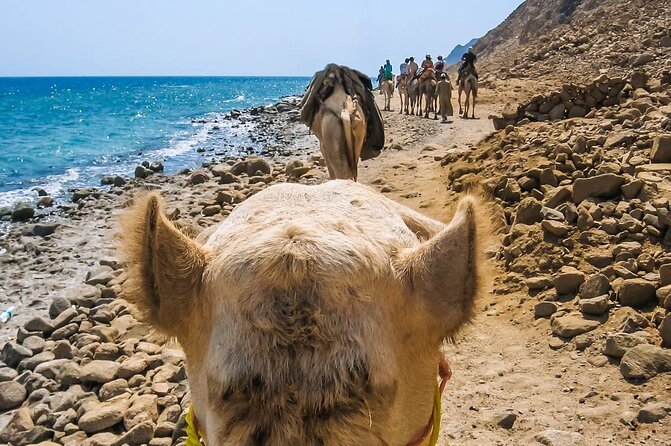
388, 74
404, 67
468, 59
412, 68
444, 93
440, 65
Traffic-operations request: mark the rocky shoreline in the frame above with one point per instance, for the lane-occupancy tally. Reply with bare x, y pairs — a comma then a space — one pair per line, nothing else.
47, 251
90, 372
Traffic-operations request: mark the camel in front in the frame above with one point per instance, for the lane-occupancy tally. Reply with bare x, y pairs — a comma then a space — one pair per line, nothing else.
340, 109
312, 315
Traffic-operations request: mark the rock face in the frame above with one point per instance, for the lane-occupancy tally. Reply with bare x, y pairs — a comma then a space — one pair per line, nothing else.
645, 361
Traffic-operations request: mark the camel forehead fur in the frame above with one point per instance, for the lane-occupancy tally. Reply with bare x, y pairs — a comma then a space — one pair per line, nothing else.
340, 231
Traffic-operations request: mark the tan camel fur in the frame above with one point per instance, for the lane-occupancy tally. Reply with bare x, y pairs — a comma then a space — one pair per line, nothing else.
340, 126
313, 315
387, 88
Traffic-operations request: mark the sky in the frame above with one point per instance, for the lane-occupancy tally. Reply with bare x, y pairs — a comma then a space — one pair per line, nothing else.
230, 38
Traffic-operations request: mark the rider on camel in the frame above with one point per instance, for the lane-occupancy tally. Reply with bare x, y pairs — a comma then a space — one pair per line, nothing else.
412, 69
428, 63
468, 59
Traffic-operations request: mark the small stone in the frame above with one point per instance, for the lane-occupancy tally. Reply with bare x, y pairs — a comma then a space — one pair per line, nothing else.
545, 309
34, 343
554, 437
555, 228
652, 413
113, 389
505, 419
209, 211
12, 394
199, 177
22, 212
44, 229
529, 212
99, 371
595, 306
665, 274
7, 374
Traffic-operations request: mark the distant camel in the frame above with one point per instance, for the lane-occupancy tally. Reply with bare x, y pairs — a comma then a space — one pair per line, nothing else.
427, 90
469, 85
387, 88
340, 109
403, 93
413, 96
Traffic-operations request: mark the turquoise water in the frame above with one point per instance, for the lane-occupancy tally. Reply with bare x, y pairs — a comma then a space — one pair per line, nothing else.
59, 133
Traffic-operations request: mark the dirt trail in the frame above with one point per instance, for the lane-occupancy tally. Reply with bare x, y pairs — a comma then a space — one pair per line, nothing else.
504, 367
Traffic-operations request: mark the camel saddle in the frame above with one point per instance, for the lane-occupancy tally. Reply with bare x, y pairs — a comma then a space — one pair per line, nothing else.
357, 85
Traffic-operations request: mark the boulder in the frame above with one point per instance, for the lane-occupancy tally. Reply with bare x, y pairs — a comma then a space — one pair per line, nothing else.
99, 371
661, 149
12, 394
13, 353
545, 309
636, 292
596, 285
22, 212
617, 344
44, 229
603, 186
568, 280
58, 305
665, 331
199, 177
251, 166
142, 172
645, 361
102, 416
529, 212
571, 325
556, 228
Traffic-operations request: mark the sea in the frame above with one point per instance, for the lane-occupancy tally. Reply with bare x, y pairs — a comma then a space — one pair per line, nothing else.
60, 133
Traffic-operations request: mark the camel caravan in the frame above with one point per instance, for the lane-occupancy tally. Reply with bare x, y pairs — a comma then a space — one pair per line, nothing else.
420, 88
313, 315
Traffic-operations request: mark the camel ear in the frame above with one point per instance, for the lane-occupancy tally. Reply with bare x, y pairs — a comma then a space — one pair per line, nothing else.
444, 271
164, 266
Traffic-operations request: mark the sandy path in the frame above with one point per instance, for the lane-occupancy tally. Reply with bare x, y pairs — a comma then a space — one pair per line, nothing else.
503, 362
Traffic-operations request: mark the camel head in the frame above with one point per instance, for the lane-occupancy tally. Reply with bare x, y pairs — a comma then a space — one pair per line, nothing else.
313, 315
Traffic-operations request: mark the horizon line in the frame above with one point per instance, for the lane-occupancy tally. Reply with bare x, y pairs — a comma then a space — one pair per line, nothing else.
147, 75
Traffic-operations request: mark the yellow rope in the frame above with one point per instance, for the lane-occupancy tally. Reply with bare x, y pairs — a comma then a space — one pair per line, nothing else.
436, 416
192, 437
